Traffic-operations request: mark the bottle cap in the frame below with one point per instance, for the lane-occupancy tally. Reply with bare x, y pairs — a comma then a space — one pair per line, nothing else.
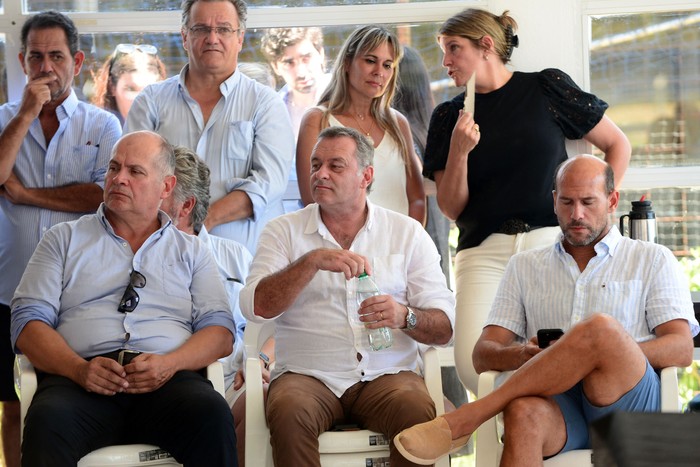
364, 274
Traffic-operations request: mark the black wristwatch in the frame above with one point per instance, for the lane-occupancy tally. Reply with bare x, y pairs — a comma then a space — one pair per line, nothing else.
411, 319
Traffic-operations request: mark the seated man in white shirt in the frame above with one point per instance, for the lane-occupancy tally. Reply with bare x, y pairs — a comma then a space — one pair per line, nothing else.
624, 306
303, 277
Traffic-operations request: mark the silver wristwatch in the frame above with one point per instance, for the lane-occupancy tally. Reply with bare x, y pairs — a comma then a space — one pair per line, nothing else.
411, 319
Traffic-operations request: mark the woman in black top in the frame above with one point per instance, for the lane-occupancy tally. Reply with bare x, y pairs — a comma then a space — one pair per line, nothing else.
494, 169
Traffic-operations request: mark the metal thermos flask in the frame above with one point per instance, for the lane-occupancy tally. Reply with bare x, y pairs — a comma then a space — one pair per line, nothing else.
642, 222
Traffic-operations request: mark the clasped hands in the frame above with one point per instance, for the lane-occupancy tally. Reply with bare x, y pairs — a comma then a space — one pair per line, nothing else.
145, 373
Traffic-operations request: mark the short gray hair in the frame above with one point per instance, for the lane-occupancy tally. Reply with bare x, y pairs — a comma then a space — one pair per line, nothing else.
240, 6
364, 150
193, 179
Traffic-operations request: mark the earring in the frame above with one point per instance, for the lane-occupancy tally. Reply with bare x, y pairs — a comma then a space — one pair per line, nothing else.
486, 57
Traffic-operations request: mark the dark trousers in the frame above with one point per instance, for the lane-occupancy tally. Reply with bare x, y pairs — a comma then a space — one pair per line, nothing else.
186, 417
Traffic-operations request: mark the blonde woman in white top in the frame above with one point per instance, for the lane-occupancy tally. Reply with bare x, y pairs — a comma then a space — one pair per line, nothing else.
359, 96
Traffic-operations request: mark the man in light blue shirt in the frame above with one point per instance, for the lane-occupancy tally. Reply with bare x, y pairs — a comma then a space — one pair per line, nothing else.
52, 166
238, 126
625, 309
119, 311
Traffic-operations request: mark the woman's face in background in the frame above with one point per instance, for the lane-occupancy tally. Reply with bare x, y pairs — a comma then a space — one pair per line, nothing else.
131, 83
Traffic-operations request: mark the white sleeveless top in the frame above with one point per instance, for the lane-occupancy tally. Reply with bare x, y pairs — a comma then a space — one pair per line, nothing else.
389, 186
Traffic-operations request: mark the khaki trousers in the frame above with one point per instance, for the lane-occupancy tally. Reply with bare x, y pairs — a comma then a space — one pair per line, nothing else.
299, 408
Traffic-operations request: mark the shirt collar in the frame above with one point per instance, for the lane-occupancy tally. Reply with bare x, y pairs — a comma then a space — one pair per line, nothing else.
226, 87
69, 104
315, 223
608, 244
162, 218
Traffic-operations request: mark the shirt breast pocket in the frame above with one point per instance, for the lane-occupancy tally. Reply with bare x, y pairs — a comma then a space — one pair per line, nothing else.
389, 273
80, 167
239, 146
622, 300
173, 279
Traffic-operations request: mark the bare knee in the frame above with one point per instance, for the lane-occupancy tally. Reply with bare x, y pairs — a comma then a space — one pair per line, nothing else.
597, 332
526, 412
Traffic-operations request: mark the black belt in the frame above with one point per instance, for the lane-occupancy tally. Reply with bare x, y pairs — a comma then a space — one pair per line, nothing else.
515, 226
121, 356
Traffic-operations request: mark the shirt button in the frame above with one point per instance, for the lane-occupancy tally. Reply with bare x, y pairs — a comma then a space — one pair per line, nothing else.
125, 244
48, 176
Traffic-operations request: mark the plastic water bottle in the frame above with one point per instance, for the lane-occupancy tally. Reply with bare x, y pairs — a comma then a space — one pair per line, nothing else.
380, 338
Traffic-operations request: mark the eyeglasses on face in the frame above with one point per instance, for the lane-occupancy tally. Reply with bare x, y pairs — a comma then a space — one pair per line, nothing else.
130, 299
223, 32
131, 48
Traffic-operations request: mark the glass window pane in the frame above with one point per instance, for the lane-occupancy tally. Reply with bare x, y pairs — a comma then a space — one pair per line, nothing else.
93, 6
168, 5
646, 67
99, 46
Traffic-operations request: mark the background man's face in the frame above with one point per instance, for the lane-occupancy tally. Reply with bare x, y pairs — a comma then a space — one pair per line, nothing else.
301, 67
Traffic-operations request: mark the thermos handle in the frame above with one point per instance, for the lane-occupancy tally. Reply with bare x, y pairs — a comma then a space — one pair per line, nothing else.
622, 223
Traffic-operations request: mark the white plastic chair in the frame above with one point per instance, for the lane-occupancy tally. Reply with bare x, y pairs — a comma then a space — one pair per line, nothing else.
338, 448
127, 455
489, 447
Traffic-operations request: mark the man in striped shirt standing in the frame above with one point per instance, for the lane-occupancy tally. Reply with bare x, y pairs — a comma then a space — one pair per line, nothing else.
54, 157
625, 309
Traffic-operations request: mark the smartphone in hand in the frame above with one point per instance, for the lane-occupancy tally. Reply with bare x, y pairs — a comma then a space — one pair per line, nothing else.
546, 336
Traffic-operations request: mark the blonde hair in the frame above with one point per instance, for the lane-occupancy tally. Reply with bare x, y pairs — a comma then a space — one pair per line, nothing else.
336, 98
473, 24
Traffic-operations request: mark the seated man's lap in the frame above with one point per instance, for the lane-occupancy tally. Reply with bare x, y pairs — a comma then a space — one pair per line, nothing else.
301, 400
393, 402
167, 417
65, 417
579, 412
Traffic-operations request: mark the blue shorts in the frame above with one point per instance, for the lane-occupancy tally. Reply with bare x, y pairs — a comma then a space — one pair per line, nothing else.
579, 412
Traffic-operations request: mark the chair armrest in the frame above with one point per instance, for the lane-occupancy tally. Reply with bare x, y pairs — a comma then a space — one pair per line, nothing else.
25, 385
488, 444
215, 374
257, 434
670, 400
433, 378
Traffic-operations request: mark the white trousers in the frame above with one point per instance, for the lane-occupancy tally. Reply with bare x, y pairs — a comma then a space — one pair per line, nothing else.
478, 272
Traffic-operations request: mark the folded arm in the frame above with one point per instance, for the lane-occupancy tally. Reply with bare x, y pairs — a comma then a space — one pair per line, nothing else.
78, 197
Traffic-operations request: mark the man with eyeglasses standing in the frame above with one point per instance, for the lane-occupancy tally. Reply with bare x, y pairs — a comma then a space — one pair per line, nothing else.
52, 167
238, 126
119, 311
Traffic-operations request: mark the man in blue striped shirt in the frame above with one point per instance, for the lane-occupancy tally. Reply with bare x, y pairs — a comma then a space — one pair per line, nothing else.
54, 155
624, 306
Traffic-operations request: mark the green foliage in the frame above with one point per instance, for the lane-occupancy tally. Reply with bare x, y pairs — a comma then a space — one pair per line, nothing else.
689, 382
691, 268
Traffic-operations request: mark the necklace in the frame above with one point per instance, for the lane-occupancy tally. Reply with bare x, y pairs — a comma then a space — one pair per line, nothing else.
366, 132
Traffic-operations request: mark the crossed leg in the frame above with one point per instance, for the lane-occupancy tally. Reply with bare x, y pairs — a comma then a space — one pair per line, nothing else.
597, 352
